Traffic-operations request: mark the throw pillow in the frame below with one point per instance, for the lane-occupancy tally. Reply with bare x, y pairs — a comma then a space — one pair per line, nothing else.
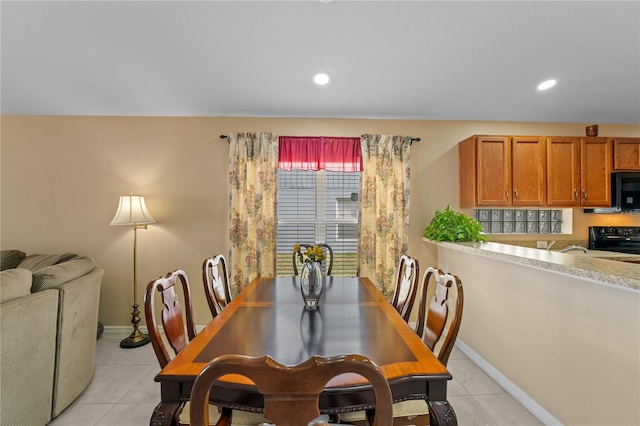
14, 283
11, 258
61, 273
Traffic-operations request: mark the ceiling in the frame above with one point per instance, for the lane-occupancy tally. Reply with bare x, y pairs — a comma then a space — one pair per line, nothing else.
387, 59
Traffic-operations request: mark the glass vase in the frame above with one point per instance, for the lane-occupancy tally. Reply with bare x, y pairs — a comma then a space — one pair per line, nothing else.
311, 284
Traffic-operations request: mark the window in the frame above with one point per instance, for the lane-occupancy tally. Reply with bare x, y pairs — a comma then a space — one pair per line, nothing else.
318, 206
318, 185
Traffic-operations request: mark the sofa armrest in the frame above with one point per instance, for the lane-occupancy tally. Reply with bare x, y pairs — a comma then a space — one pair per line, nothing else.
60, 273
76, 346
27, 358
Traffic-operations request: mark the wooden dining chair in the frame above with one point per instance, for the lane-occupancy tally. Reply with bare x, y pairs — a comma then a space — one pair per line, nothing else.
291, 393
328, 253
406, 289
173, 320
438, 323
437, 326
177, 336
216, 283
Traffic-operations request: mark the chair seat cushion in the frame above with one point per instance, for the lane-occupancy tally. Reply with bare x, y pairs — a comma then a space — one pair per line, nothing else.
409, 409
239, 418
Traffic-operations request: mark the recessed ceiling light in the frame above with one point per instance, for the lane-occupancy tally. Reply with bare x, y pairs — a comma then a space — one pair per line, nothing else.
546, 84
321, 79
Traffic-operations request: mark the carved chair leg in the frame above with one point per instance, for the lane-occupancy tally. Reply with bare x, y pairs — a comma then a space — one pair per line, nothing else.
164, 415
441, 413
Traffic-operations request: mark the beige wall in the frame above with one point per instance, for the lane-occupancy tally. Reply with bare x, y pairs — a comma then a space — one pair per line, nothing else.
61, 178
571, 344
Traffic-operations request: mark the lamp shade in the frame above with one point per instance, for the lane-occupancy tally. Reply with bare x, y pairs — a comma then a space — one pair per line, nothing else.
132, 211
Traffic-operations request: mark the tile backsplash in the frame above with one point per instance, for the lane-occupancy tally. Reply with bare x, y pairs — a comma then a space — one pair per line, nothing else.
519, 221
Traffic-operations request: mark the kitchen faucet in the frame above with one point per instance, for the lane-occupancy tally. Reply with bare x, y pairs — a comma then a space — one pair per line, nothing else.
566, 249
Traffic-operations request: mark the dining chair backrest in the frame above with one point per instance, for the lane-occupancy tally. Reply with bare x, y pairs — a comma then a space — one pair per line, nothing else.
407, 277
172, 317
216, 283
291, 393
439, 320
328, 253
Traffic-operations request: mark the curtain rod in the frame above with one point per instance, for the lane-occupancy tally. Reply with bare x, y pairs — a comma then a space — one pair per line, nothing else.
412, 139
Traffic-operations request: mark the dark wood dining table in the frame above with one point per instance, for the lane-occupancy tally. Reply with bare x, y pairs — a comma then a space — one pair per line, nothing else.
268, 318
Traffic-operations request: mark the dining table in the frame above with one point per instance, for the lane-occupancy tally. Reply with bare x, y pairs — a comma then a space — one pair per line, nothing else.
268, 317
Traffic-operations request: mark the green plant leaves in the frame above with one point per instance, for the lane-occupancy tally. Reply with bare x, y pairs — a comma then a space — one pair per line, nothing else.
449, 225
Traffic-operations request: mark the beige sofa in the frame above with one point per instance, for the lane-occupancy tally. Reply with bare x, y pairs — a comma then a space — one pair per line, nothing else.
48, 321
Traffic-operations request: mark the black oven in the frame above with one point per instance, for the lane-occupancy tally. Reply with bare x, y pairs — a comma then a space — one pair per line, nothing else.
622, 239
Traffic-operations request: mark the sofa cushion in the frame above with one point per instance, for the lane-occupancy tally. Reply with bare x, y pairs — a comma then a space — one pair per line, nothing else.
61, 273
36, 262
11, 259
14, 283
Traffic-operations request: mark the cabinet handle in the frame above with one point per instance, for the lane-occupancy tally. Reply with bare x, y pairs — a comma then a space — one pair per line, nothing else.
584, 195
575, 195
506, 194
515, 194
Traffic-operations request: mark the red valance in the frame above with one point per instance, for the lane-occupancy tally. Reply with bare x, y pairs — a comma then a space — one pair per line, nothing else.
319, 153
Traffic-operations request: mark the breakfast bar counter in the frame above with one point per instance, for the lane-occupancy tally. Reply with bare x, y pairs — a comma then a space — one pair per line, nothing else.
601, 266
559, 331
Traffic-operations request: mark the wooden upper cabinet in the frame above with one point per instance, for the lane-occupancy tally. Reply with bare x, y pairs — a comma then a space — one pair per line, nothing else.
467, 173
501, 171
579, 172
626, 154
493, 171
595, 177
563, 171
528, 170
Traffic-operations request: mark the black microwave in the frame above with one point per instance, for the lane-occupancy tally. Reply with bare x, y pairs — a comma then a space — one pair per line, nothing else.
625, 191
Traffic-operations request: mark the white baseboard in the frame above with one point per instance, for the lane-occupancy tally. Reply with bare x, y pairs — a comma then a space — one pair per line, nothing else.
518, 394
120, 329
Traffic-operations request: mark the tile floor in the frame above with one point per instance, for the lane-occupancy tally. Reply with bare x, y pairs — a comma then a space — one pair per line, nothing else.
123, 392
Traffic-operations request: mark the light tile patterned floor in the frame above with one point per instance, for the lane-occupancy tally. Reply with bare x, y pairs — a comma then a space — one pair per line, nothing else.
123, 392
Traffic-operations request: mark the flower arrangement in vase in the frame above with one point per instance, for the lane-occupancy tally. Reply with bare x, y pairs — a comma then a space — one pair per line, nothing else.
311, 275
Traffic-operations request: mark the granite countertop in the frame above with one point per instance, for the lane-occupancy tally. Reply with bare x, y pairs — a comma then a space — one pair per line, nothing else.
603, 266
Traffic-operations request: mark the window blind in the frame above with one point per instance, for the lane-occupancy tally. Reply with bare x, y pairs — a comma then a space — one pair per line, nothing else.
315, 207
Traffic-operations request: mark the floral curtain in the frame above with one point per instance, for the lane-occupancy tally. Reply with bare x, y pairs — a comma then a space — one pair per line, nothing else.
384, 208
253, 160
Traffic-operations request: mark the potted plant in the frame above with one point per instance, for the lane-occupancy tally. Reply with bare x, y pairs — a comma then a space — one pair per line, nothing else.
449, 225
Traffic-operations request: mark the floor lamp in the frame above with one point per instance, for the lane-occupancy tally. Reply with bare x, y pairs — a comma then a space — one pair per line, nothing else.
133, 211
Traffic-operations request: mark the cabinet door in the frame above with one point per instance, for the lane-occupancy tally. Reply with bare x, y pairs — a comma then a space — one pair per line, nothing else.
494, 171
467, 172
626, 154
595, 172
563, 171
528, 170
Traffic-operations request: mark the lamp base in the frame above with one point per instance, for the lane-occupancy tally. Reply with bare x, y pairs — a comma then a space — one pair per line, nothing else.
135, 340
